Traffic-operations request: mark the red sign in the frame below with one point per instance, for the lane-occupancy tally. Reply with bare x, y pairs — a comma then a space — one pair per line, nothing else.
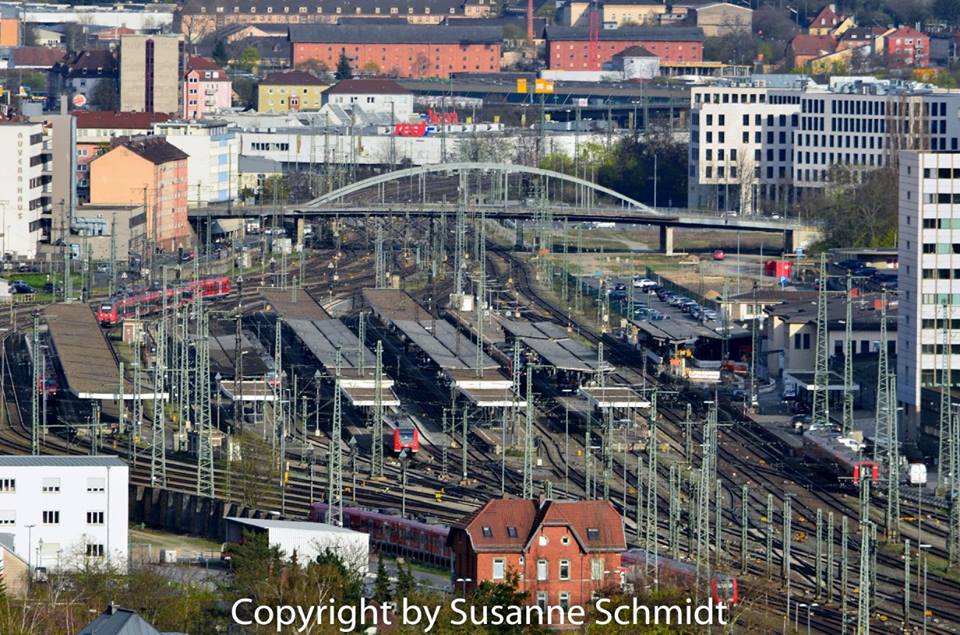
421, 129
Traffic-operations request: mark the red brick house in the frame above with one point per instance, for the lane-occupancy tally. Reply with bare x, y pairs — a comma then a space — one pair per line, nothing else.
907, 47
568, 48
563, 551
399, 50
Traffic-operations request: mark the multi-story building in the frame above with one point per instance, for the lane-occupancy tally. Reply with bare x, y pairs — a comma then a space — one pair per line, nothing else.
796, 133
147, 171
374, 96
59, 512
907, 47
80, 76
400, 49
562, 551
207, 88
151, 73
213, 166
290, 90
568, 48
9, 25
96, 130
60, 132
929, 274
24, 187
198, 18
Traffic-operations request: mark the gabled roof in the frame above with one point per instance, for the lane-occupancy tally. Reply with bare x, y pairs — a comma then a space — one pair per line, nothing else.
293, 78
805, 44
36, 56
155, 150
88, 63
367, 87
862, 33
635, 51
594, 524
394, 34
827, 18
200, 63
906, 31
118, 120
629, 33
117, 621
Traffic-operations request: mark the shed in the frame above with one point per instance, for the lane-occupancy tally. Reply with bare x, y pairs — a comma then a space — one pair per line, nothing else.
307, 539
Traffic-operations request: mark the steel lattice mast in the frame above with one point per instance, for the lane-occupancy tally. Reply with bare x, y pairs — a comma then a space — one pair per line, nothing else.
335, 456
381, 264
528, 438
36, 388
883, 383
891, 469
946, 416
205, 468
651, 536
376, 465
821, 372
847, 421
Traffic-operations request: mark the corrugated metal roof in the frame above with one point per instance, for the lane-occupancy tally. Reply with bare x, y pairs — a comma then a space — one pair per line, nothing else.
26, 460
299, 525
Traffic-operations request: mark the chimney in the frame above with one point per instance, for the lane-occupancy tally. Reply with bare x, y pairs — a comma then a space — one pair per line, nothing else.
529, 21
541, 501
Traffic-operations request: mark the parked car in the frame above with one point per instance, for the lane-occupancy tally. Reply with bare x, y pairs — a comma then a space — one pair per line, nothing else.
718, 254
643, 283
18, 286
710, 315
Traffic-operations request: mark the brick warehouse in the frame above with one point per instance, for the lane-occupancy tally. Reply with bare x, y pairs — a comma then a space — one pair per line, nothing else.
563, 551
568, 47
400, 49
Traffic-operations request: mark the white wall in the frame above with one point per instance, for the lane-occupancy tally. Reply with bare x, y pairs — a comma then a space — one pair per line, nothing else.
402, 104
213, 164
64, 543
19, 186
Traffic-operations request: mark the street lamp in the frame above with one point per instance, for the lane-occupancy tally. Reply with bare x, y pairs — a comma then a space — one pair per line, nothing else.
796, 615
465, 582
30, 550
316, 388
403, 483
810, 608
922, 549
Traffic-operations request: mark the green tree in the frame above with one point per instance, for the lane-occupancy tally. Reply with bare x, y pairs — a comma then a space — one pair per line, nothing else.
249, 59
220, 55
502, 594
406, 583
246, 91
344, 70
948, 10
371, 68
104, 96
381, 585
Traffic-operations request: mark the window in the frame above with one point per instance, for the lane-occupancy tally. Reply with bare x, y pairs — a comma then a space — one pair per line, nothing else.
542, 600
499, 569
94, 518
512, 532
543, 570
51, 517
95, 550
596, 569
8, 484
8, 517
593, 533
564, 569
487, 532
50, 485
565, 540
565, 600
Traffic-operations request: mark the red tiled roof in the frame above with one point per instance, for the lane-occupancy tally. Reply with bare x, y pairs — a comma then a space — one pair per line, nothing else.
529, 516
367, 87
906, 31
119, 120
804, 44
37, 56
293, 78
200, 63
826, 18
155, 149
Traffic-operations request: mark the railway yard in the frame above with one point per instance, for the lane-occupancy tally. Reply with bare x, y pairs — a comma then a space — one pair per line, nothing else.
410, 384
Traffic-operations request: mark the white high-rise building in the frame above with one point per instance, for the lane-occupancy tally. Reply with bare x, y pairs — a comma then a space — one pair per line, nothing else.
214, 158
58, 511
929, 275
24, 187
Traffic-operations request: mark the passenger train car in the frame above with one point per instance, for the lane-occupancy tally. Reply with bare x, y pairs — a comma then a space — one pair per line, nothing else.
723, 588
394, 534
117, 308
406, 437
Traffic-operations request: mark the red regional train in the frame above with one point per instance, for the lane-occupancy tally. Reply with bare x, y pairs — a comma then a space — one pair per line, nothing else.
723, 588
395, 534
117, 308
406, 437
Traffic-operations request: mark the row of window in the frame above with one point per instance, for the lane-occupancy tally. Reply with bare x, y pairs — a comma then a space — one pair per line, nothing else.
339, 10
50, 517
52, 485
597, 571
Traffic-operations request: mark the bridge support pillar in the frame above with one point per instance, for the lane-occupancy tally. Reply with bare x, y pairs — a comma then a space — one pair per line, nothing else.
518, 240
299, 231
666, 240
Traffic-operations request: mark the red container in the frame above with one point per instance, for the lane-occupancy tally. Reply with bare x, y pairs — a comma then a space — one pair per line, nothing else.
778, 268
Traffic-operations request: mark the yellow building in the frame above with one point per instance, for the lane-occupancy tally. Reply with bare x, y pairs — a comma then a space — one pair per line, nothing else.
290, 90
621, 13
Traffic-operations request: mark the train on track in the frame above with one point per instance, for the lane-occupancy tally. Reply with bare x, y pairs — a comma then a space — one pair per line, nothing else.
406, 437
831, 452
725, 589
119, 307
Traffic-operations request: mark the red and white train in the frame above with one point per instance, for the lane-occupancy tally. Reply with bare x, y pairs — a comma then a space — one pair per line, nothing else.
406, 437
394, 534
725, 589
117, 308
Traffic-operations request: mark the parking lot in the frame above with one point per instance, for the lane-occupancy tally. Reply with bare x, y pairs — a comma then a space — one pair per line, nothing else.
654, 303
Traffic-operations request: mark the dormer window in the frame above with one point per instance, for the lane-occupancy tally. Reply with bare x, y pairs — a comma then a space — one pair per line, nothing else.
487, 532
593, 533
512, 532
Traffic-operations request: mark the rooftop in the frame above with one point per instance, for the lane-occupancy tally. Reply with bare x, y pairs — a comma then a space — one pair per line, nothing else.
293, 78
10, 460
155, 149
298, 525
118, 120
630, 33
36, 56
368, 87
346, 7
395, 34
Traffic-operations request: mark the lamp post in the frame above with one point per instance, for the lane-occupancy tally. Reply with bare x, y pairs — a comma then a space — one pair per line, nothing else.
312, 460
30, 551
922, 549
403, 482
796, 615
810, 608
316, 402
465, 582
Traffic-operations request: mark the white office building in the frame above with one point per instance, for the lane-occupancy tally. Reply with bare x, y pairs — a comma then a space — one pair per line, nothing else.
57, 511
761, 143
214, 158
24, 187
929, 272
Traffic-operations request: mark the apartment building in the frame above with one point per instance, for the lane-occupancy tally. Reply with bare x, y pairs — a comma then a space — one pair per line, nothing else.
207, 88
59, 511
24, 187
797, 132
929, 273
214, 158
152, 68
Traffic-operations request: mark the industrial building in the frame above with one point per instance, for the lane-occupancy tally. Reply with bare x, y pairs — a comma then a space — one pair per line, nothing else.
306, 539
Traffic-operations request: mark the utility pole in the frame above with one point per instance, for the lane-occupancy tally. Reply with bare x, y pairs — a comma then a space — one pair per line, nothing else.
36, 387
865, 591
464, 448
335, 463
674, 510
847, 421
158, 447
744, 527
651, 538
787, 546
381, 268
205, 468
944, 477
528, 439
821, 372
754, 346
